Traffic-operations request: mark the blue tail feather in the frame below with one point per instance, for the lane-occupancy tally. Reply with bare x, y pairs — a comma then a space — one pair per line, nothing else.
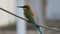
39, 30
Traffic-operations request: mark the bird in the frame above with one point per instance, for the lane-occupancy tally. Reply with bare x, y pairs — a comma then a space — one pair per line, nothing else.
30, 15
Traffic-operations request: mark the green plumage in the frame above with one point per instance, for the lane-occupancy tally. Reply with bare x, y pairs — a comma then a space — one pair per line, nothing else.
30, 17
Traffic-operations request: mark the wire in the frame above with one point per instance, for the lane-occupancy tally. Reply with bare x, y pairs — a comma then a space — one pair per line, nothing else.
13, 14
46, 27
43, 26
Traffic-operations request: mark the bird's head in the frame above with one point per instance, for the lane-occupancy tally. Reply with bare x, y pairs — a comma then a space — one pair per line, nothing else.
25, 6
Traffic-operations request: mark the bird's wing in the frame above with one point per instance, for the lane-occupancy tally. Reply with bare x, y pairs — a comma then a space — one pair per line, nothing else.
33, 14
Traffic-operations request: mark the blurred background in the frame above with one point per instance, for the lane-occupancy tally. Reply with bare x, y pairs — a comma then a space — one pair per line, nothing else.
47, 13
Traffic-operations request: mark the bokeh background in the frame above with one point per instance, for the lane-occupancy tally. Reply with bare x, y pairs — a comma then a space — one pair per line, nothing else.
47, 13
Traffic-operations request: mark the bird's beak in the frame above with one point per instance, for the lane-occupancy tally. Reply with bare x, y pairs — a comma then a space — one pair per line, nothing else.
20, 7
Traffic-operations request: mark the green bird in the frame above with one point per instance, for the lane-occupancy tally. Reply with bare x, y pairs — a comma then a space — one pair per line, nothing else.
29, 14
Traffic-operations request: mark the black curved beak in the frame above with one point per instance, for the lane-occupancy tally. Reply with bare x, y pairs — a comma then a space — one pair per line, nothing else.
20, 7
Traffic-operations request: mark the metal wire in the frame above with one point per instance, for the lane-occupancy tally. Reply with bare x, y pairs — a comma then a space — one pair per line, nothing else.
13, 14
46, 27
43, 26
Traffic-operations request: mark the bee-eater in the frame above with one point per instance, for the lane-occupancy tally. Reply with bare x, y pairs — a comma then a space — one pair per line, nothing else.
29, 14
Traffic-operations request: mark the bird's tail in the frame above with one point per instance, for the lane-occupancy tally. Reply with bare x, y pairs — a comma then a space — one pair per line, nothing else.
38, 28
